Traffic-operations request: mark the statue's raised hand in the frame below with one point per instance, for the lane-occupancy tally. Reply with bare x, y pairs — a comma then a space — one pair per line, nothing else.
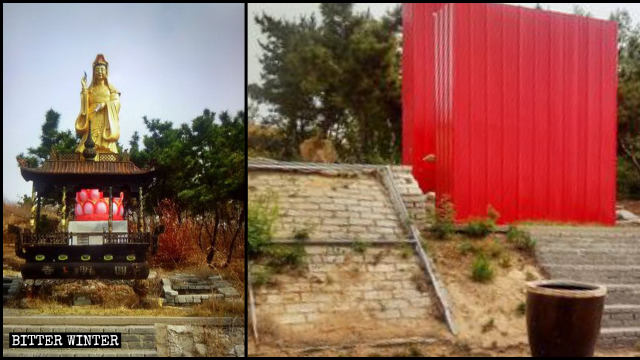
84, 81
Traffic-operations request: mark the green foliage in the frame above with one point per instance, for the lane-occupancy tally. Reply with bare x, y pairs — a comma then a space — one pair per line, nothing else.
628, 105
282, 256
444, 225
301, 234
201, 167
201, 164
262, 215
50, 139
528, 276
521, 309
494, 249
261, 275
481, 269
359, 246
339, 76
489, 325
628, 180
466, 247
478, 228
273, 258
406, 251
521, 239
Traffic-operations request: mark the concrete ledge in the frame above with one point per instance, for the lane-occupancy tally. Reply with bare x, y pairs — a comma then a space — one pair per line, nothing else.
77, 353
120, 320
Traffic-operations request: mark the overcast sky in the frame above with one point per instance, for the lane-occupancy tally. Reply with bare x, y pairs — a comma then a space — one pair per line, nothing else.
169, 61
292, 11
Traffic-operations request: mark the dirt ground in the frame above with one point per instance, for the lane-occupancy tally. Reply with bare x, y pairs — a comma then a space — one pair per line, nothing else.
489, 316
631, 205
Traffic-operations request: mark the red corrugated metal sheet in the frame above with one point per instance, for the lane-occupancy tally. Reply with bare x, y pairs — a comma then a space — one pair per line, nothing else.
524, 111
418, 90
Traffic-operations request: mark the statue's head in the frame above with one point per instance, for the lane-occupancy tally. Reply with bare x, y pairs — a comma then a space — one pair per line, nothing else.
100, 68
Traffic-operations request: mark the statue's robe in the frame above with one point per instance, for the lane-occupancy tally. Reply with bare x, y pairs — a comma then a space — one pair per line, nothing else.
105, 124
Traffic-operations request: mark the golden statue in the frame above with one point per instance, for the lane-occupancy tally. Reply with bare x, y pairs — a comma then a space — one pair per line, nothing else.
100, 107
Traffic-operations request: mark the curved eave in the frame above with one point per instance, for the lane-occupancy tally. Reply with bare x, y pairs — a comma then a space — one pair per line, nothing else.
44, 180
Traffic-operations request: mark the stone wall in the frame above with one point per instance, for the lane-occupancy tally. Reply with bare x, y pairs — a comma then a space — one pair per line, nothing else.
349, 206
366, 280
200, 340
414, 200
381, 284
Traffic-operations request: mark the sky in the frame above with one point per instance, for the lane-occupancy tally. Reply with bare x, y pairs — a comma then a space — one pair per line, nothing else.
293, 11
169, 61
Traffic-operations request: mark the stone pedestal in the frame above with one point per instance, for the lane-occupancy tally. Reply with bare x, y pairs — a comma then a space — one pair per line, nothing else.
82, 229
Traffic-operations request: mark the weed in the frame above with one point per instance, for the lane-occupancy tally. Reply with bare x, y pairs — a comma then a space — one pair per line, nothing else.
521, 309
481, 270
261, 275
494, 249
425, 245
406, 251
529, 276
466, 247
521, 239
301, 234
489, 325
280, 256
359, 246
505, 261
479, 228
262, 215
444, 226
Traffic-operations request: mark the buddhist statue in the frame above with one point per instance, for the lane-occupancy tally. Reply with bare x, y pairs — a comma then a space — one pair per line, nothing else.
100, 106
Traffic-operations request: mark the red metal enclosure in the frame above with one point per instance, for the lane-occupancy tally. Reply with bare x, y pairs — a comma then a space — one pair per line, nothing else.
418, 125
523, 110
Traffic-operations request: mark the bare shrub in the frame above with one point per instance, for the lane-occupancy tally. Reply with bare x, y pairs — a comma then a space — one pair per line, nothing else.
177, 245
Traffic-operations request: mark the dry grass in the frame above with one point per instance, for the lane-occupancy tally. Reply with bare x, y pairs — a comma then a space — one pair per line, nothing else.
218, 343
177, 245
34, 306
224, 308
107, 295
269, 331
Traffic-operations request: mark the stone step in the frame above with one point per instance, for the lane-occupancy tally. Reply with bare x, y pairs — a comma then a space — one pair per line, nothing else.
134, 337
587, 257
577, 245
621, 316
623, 294
583, 231
619, 337
599, 236
77, 353
601, 274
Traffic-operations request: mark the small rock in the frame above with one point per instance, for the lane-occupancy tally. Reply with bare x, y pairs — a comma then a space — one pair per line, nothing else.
179, 329
228, 291
201, 349
81, 300
626, 215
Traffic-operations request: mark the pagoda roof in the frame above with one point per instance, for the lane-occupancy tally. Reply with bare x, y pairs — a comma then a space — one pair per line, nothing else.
72, 169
